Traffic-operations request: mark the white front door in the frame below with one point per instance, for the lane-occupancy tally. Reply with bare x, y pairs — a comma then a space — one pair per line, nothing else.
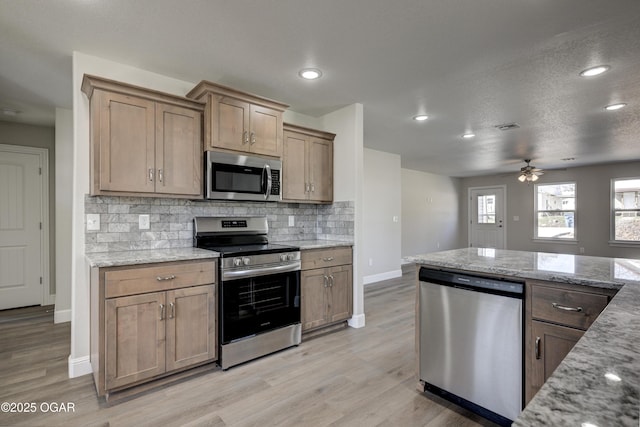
20, 228
487, 213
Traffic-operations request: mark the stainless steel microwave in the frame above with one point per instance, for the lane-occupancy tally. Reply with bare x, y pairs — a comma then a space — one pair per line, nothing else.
242, 177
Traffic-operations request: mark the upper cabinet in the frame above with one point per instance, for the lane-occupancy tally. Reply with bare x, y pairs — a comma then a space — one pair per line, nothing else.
143, 142
239, 121
307, 165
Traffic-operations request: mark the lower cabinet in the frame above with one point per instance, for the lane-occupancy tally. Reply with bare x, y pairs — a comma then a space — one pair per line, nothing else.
557, 315
166, 326
326, 293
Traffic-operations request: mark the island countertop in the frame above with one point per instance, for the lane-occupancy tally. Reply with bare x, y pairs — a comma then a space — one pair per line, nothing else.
578, 393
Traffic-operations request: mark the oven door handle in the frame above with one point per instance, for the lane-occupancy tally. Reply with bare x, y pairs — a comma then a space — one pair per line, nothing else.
262, 271
267, 171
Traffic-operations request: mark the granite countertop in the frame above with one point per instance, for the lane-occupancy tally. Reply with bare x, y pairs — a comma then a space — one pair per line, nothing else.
115, 259
316, 244
582, 390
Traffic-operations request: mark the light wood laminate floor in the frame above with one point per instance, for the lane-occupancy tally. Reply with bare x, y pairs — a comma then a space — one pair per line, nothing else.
352, 377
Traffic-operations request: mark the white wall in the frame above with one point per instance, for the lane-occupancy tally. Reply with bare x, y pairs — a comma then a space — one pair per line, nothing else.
82, 63
63, 207
303, 120
431, 215
593, 186
381, 249
348, 125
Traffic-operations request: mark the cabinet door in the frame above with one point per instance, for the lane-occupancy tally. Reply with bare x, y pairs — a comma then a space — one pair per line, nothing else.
134, 338
230, 123
191, 326
554, 343
266, 131
126, 144
340, 293
313, 294
321, 170
178, 150
294, 180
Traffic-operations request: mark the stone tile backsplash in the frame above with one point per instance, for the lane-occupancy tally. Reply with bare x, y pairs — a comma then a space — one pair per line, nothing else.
171, 221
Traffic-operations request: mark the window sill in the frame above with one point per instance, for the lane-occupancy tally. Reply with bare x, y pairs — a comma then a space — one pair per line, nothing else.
563, 242
624, 244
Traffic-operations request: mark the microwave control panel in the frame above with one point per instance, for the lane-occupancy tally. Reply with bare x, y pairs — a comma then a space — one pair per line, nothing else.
275, 182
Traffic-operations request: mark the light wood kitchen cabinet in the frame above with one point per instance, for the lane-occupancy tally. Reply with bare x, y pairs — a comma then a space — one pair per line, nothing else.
307, 165
151, 320
557, 315
240, 121
327, 292
143, 142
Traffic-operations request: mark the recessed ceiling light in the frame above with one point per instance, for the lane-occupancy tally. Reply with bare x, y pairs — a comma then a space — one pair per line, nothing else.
310, 73
568, 159
468, 135
9, 112
614, 107
421, 118
595, 71
613, 377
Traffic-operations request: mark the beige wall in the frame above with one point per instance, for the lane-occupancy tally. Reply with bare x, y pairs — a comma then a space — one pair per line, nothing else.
431, 214
40, 137
593, 185
382, 202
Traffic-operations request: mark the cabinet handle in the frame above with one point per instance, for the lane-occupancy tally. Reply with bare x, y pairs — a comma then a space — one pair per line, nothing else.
253, 138
565, 308
160, 175
306, 187
165, 278
313, 187
172, 313
161, 311
245, 137
537, 347
151, 174
325, 281
327, 259
332, 280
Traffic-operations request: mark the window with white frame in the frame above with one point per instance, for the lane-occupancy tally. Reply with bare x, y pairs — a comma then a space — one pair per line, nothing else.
625, 205
555, 206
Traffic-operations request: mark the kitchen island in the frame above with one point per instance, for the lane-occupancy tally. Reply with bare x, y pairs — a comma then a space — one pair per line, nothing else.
598, 383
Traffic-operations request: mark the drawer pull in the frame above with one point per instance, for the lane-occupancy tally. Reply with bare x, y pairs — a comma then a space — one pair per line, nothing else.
537, 348
565, 308
327, 259
165, 278
161, 311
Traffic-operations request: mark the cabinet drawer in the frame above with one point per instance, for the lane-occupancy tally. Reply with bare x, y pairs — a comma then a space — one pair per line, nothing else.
158, 277
566, 307
320, 258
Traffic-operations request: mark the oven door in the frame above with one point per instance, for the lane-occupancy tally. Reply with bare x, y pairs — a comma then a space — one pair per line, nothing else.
253, 305
240, 177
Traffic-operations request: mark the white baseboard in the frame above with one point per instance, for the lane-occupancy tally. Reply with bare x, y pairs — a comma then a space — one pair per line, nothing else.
79, 366
381, 276
356, 321
61, 316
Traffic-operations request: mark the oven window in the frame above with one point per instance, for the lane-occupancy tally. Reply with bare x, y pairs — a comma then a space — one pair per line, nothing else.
258, 304
237, 179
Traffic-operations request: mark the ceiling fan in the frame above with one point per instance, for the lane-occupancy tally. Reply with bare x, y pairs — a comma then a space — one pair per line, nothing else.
529, 173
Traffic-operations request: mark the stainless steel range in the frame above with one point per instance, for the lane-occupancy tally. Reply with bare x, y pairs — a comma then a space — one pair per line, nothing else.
259, 293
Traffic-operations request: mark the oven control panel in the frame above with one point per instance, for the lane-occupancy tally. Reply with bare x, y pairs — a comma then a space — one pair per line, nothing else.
234, 223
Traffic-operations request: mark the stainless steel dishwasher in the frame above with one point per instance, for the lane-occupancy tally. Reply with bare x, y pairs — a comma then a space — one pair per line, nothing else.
470, 342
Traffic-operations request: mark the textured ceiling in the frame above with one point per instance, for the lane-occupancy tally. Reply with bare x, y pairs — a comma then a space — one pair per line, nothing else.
468, 64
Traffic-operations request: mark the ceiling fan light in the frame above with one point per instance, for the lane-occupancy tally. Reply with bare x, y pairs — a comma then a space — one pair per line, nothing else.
534, 177
522, 178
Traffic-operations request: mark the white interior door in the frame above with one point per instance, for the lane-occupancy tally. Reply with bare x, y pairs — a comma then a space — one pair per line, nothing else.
20, 229
487, 213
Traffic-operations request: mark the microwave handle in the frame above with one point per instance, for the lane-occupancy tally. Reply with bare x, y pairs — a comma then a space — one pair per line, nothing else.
267, 171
